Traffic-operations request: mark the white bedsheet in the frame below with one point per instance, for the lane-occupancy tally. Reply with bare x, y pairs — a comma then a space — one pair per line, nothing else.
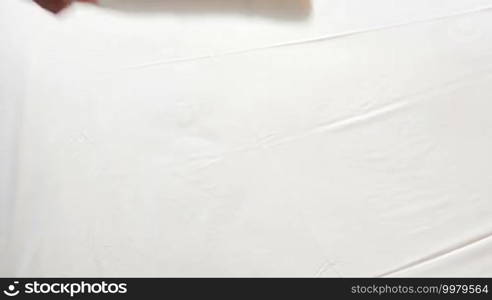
246, 138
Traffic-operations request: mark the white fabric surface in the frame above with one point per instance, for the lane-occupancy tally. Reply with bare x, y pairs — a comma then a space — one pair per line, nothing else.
246, 138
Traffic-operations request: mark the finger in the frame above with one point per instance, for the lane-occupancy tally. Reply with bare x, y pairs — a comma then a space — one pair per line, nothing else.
54, 6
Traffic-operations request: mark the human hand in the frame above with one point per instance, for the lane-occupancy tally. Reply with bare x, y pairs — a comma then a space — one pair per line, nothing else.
56, 6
